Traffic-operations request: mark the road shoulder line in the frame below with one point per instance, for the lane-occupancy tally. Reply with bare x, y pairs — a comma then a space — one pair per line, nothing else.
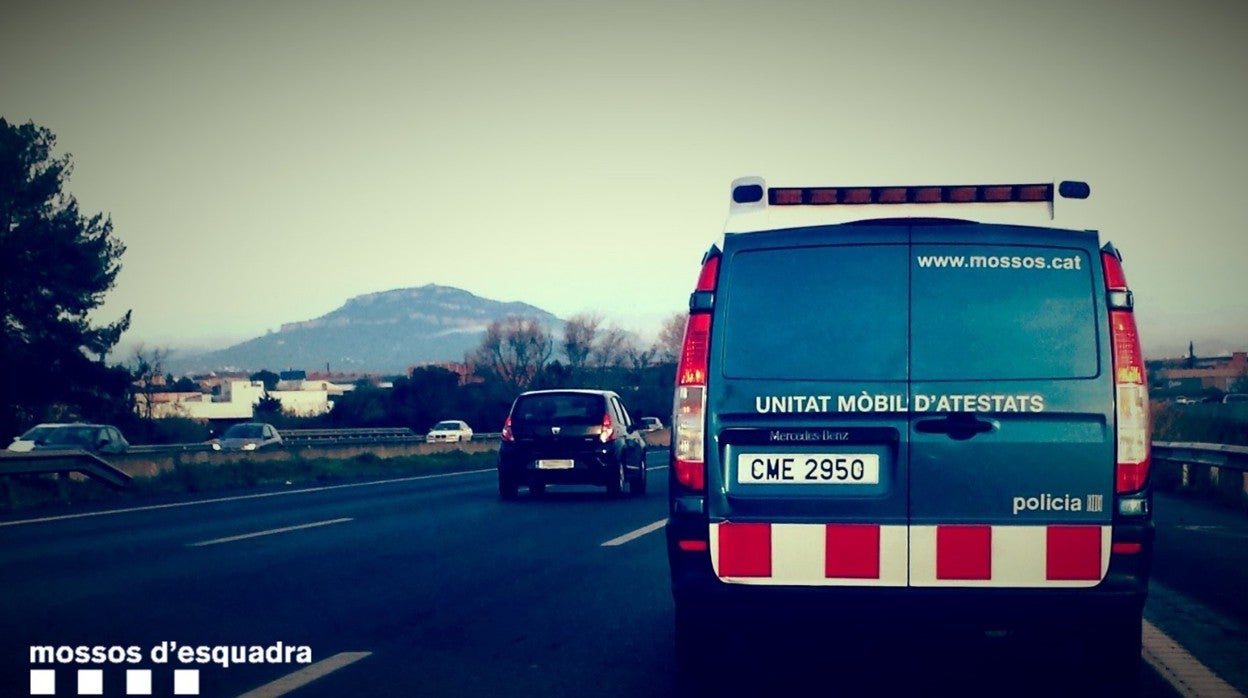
1188, 675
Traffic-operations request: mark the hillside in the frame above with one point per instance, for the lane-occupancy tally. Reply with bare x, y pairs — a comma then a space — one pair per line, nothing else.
384, 332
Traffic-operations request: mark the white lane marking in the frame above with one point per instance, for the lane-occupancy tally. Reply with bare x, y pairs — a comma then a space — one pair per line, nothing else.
306, 675
242, 497
634, 535
269, 532
1183, 671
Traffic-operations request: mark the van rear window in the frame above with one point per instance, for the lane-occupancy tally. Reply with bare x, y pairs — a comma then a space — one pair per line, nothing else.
898, 312
1002, 312
816, 313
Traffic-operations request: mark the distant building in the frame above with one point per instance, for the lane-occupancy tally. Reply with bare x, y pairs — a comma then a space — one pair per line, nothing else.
1196, 375
237, 398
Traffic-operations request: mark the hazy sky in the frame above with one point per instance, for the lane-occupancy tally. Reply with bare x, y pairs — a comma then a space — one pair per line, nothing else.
263, 162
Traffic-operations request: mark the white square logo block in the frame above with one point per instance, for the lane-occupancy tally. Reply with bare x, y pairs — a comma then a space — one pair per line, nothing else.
90, 682
186, 682
138, 682
42, 682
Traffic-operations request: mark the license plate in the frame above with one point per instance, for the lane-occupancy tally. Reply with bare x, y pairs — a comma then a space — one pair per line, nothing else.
556, 464
808, 468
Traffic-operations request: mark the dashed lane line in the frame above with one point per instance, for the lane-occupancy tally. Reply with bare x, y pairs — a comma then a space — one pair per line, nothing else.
634, 535
306, 675
1188, 675
269, 532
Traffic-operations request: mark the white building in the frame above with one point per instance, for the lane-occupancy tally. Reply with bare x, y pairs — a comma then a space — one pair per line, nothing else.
238, 399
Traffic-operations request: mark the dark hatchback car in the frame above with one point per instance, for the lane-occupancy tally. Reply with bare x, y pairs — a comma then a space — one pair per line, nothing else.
571, 437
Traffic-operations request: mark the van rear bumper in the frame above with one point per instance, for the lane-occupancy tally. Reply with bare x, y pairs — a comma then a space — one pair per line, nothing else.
1121, 593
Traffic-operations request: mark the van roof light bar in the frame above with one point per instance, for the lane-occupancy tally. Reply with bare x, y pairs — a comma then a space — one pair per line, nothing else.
991, 193
747, 192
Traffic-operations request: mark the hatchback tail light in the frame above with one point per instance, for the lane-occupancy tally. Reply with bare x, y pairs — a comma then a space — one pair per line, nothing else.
608, 430
507, 435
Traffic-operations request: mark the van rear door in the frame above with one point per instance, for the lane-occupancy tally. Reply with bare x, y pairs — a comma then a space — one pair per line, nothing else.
1011, 426
805, 486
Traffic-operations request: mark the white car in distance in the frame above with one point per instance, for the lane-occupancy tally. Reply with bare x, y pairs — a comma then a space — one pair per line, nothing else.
449, 430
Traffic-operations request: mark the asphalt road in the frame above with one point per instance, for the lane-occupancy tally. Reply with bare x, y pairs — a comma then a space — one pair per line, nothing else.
432, 587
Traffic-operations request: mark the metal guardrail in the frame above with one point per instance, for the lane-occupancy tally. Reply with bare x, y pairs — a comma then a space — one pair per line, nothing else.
66, 461
166, 448
1215, 455
1213, 471
319, 437
345, 434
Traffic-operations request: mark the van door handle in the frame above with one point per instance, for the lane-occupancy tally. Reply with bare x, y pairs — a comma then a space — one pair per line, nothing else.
959, 425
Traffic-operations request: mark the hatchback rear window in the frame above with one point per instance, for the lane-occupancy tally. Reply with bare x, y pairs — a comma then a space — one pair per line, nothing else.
1002, 312
559, 408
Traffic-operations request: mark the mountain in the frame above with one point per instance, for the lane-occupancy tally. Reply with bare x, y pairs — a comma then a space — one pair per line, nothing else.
384, 332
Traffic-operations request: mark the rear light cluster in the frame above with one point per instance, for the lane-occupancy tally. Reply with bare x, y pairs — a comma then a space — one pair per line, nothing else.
607, 432
689, 410
507, 434
1130, 389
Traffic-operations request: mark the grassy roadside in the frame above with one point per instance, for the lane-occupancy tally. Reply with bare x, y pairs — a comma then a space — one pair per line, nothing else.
1198, 423
47, 491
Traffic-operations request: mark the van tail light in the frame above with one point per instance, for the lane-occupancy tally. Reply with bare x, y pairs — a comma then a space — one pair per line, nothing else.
507, 435
608, 431
689, 408
1130, 385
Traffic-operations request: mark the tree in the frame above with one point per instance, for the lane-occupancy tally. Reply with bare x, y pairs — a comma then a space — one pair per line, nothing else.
513, 351
184, 385
267, 408
149, 365
1239, 385
610, 349
55, 266
671, 337
639, 358
578, 340
267, 377
428, 394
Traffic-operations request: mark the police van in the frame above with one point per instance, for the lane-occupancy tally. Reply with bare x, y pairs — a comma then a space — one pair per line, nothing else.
928, 400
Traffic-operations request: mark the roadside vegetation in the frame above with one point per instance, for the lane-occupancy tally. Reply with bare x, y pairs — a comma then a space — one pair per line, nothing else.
1200, 423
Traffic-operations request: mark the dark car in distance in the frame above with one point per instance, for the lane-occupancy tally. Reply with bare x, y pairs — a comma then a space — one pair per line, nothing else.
248, 436
96, 438
571, 437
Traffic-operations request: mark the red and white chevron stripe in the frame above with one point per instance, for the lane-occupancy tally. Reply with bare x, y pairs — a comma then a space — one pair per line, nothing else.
918, 556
